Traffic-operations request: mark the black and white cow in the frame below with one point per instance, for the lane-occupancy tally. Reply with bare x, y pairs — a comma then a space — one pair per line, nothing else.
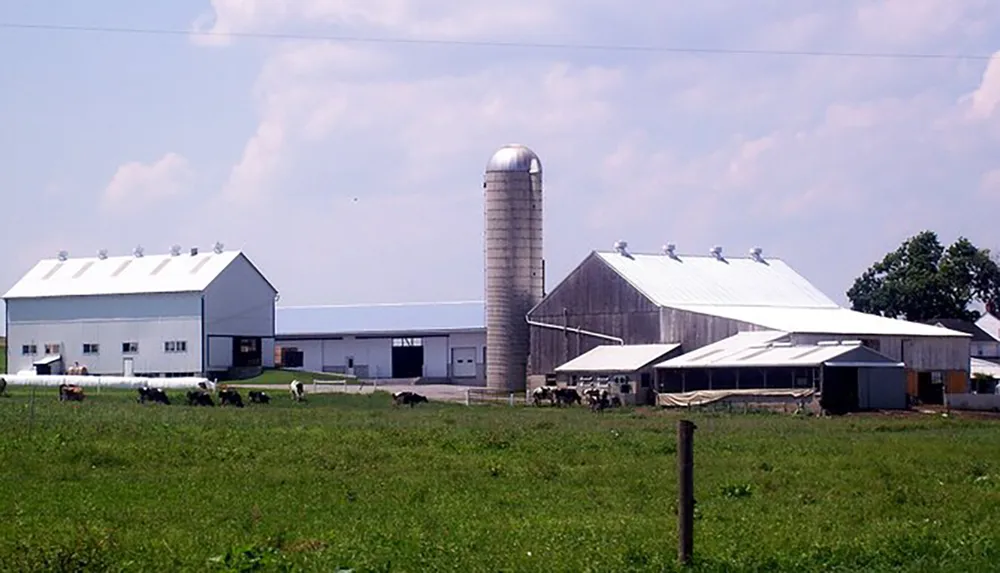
410, 399
70, 393
155, 395
230, 397
259, 397
297, 390
543, 394
567, 396
199, 398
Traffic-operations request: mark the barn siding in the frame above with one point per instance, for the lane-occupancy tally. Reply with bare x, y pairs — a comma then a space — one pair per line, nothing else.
694, 330
926, 353
593, 297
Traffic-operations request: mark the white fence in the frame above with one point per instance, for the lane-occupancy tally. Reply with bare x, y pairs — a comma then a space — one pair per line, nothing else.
978, 402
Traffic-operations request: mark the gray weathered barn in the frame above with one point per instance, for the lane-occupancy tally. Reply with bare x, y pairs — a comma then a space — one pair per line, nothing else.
180, 314
623, 298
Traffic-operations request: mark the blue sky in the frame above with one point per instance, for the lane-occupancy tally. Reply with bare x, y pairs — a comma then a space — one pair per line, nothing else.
114, 140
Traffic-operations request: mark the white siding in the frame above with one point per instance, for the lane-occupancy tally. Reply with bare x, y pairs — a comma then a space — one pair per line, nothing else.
108, 321
436, 352
239, 302
220, 352
373, 356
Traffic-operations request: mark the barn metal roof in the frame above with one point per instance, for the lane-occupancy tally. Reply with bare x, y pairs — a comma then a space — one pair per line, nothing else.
731, 354
761, 291
618, 358
707, 281
425, 317
514, 157
835, 320
122, 275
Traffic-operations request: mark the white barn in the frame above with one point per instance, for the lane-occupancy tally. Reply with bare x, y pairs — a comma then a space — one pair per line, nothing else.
437, 341
180, 314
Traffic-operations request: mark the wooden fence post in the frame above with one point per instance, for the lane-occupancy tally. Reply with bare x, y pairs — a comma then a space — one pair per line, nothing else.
685, 491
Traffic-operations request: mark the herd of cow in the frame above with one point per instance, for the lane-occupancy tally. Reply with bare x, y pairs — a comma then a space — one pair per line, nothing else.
598, 399
202, 396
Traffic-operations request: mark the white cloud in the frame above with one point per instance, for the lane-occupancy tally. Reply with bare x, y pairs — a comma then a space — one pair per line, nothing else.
814, 157
136, 186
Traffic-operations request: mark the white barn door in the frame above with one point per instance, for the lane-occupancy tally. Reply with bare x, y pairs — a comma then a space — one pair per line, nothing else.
463, 362
128, 367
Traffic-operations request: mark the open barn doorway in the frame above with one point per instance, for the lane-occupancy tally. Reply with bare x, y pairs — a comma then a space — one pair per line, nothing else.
407, 357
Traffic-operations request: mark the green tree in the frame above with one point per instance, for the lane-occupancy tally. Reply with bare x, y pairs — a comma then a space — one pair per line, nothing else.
921, 280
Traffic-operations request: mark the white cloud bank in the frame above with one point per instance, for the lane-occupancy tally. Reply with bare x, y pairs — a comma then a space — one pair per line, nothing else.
137, 186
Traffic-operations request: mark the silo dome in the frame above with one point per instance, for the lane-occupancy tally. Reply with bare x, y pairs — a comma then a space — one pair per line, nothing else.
514, 157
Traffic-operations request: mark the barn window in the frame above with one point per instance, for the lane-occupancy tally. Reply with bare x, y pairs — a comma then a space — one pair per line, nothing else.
52, 349
29, 349
130, 347
398, 342
175, 346
91, 348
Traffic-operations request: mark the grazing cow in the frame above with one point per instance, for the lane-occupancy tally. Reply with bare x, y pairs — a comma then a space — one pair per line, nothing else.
77, 370
297, 390
410, 399
3, 387
230, 397
155, 395
259, 397
567, 396
543, 393
199, 398
599, 399
70, 393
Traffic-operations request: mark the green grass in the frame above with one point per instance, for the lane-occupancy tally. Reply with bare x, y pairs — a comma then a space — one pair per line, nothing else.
279, 376
348, 481
3, 357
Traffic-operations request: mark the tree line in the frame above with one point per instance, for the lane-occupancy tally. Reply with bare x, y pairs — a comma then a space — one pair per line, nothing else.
922, 280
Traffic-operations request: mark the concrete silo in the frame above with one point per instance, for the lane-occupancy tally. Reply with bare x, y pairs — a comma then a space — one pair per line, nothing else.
515, 279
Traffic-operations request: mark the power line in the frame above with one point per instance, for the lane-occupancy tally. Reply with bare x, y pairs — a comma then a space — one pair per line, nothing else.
494, 44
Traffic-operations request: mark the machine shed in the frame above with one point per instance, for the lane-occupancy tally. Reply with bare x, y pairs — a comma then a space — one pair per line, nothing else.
180, 314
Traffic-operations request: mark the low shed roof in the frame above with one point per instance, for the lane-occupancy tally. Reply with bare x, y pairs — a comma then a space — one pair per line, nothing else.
840, 321
420, 318
618, 358
764, 349
984, 367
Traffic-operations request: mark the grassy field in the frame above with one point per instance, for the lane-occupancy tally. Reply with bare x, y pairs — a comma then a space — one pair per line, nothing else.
347, 481
3, 356
278, 376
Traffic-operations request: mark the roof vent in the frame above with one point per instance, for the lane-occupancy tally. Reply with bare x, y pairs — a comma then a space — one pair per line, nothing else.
175, 250
138, 252
757, 254
716, 252
194, 251
621, 247
102, 254
63, 255
218, 248
670, 250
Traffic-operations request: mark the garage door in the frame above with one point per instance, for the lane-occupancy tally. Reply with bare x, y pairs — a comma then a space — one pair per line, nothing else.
463, 362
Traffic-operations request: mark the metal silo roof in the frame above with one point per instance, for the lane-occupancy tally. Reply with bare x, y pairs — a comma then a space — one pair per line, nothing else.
514, 158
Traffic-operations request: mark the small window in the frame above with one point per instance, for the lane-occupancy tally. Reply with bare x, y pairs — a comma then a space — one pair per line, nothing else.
400, 342
29, 349
52, 349
175, 346
91, 348
130, 347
